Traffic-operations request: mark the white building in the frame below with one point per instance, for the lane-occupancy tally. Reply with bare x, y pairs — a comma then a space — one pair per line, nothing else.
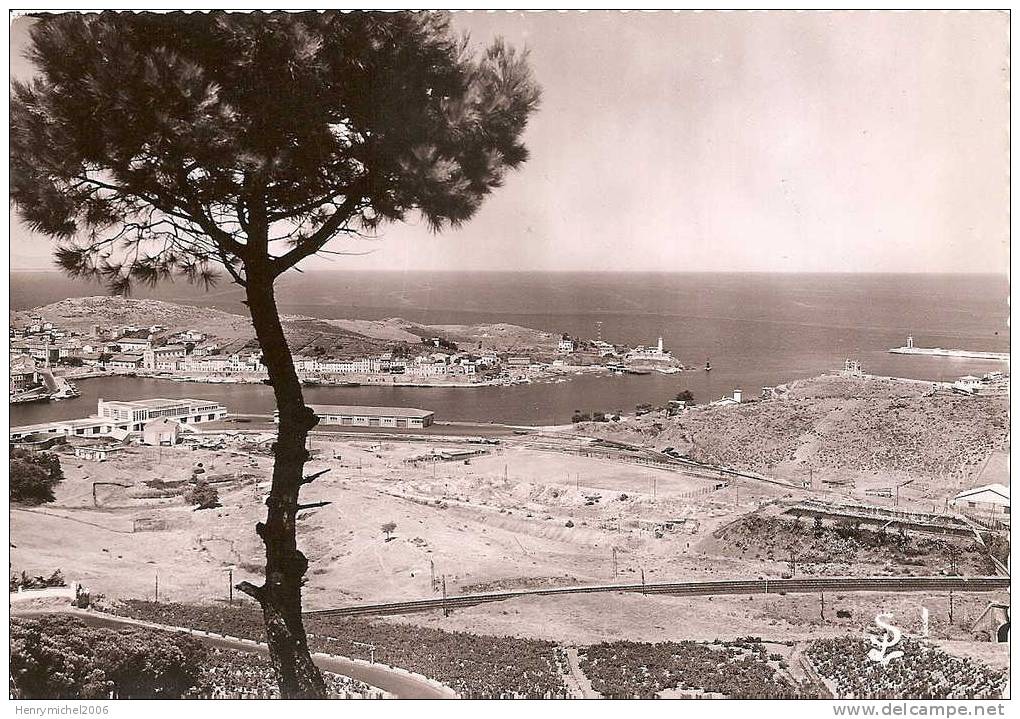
990, 500
164, 358
649, 354
138, 412
737, 398
206, 364
566, 346
968, 383
116, 419
161, 432
125, 361
363, 365
134, 344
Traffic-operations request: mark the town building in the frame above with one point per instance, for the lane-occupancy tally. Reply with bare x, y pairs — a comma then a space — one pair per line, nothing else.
161, 432
134, 344
164, 358
217, 363
23, 373
361, 416
97, 452
125, 361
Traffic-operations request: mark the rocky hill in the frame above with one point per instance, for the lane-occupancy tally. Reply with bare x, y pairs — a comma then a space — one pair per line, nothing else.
859, 430
306, 335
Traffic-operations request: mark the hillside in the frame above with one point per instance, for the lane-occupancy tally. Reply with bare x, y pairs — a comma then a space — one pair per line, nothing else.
854, 430
306, 335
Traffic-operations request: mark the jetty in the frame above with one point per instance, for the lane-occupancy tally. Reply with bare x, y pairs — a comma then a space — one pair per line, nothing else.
910, 349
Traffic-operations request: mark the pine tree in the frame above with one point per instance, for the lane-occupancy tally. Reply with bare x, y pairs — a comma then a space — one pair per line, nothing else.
160, 145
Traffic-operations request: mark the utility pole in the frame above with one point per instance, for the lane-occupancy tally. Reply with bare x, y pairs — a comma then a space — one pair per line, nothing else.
614, 562
157, 587
446, 609
823, 605
950, 606
432, 573
230, 586
642, 580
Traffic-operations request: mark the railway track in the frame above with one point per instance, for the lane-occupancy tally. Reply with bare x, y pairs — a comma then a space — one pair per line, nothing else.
691, 589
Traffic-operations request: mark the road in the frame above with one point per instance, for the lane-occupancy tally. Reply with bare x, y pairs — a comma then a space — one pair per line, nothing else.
698, 588
397, 683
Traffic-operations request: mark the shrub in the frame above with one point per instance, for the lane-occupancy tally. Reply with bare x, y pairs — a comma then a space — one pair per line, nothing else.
202, 495
33, 476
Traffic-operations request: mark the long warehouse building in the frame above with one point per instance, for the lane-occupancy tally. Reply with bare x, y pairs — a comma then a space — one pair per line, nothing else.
360, 416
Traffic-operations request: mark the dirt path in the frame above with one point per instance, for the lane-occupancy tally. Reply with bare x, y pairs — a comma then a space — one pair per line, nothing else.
579, 678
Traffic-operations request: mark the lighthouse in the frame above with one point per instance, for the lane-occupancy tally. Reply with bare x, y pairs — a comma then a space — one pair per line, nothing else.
660, 345
910, 342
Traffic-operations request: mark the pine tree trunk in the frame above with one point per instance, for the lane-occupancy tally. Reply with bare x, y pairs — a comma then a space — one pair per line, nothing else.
280, 596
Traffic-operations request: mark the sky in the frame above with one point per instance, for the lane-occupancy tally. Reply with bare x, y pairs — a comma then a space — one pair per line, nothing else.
730, 141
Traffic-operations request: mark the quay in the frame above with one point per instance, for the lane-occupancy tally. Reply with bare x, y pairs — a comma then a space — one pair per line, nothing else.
910, 349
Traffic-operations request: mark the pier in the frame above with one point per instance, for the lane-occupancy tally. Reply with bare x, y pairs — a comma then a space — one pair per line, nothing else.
910, 349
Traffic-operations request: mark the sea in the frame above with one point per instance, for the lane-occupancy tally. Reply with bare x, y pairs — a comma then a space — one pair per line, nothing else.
757, 330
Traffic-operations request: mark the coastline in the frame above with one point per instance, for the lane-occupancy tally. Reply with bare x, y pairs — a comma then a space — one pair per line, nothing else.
560, 374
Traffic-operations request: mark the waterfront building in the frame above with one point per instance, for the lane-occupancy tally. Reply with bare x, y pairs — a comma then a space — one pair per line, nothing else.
164, 358
737, 398
362, 416
566, 346
205, 364
967, 383
23, 373
649, 354
425, 367
364, 365
138, 412
125, 361
117, 419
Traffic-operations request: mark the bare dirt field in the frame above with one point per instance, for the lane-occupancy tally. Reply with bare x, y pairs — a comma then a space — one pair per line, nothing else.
529, 511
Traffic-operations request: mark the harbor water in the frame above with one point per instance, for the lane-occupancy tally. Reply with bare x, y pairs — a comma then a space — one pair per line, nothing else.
757, 330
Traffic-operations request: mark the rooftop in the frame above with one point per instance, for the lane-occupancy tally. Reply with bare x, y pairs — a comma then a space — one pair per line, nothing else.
364, 411
999, 489
159, 403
